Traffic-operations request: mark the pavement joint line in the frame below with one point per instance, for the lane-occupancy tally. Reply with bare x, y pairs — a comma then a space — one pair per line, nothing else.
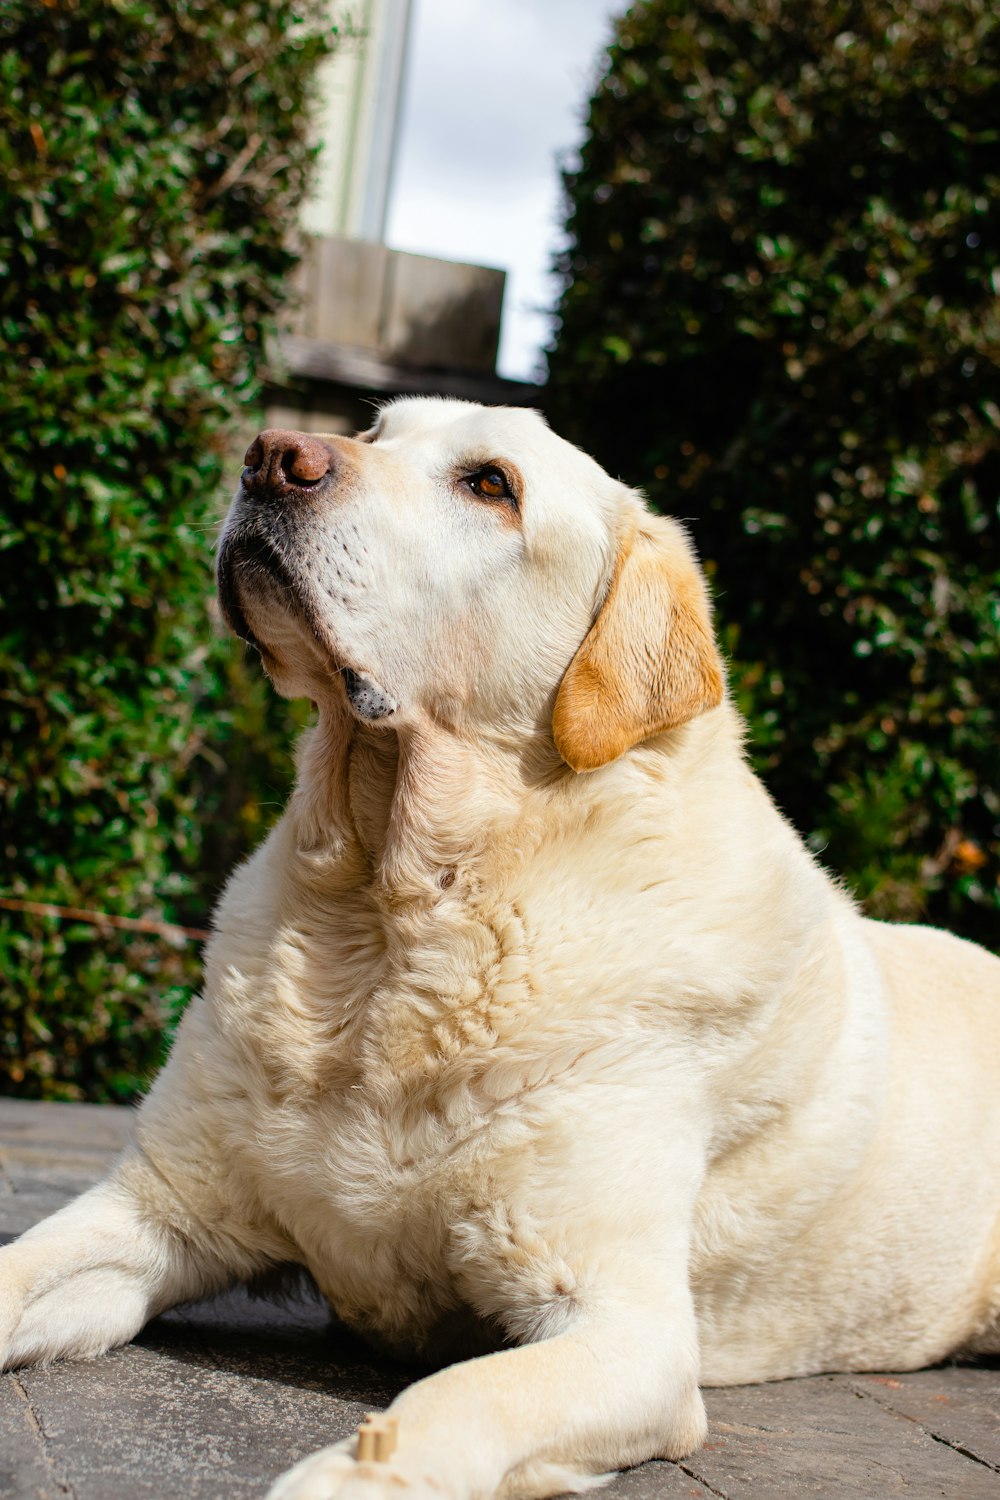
700, 1479
35, 1423
886, 1404
957, 1448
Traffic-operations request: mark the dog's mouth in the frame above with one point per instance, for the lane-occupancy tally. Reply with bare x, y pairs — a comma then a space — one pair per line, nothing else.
367, 698
253, 575
254, 578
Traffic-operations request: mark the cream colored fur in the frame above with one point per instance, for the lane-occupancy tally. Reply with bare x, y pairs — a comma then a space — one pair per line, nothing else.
599, 1071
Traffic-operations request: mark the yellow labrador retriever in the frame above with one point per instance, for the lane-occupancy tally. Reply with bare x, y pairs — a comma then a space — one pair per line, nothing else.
532, 1030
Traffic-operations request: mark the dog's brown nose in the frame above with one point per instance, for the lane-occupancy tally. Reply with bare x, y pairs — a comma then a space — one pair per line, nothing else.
281, 460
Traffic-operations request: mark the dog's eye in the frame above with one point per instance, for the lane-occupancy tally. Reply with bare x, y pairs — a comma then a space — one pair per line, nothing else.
490, 484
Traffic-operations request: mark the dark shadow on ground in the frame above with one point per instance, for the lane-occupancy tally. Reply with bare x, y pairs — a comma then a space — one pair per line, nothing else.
292, 1342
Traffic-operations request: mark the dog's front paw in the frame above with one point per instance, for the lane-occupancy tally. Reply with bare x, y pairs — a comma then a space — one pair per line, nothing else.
61, 1312
336, 1473
321, 1476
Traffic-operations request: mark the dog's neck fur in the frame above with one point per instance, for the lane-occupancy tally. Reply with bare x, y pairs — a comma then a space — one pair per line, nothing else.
403, 811
407, 815
408, 899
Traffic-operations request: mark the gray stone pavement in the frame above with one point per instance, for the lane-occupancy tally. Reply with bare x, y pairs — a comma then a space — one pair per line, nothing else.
217, 1399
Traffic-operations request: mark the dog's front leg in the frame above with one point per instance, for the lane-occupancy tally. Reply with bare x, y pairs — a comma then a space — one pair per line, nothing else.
89, 1277
587, 1270
617, 1388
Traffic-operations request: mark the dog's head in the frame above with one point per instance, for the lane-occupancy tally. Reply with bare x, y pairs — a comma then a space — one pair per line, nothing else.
463, 564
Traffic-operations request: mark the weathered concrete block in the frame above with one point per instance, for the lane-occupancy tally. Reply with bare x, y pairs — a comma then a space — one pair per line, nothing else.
442, 315
348, 292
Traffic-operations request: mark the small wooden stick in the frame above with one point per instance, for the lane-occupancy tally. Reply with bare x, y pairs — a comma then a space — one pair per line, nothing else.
377, 1438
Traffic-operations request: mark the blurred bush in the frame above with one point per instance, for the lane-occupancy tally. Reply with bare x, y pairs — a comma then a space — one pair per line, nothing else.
152, 156
780, 318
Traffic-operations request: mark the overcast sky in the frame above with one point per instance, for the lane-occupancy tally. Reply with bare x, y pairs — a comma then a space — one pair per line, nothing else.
495, 96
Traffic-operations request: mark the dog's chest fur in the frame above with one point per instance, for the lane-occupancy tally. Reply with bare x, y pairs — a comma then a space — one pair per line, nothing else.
392, 1069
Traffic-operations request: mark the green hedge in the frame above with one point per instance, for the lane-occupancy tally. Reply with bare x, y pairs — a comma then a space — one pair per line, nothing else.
780, 317
152, 157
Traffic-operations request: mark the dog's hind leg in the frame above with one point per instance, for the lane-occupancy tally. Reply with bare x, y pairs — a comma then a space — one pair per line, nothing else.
986, 1339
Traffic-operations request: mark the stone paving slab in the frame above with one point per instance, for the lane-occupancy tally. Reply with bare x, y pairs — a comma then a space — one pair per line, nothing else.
218, 1398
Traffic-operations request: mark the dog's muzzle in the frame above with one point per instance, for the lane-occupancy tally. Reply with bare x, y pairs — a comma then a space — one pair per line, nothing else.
284, 471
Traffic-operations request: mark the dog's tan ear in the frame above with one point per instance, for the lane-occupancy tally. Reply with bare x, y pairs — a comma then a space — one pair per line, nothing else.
649, 661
